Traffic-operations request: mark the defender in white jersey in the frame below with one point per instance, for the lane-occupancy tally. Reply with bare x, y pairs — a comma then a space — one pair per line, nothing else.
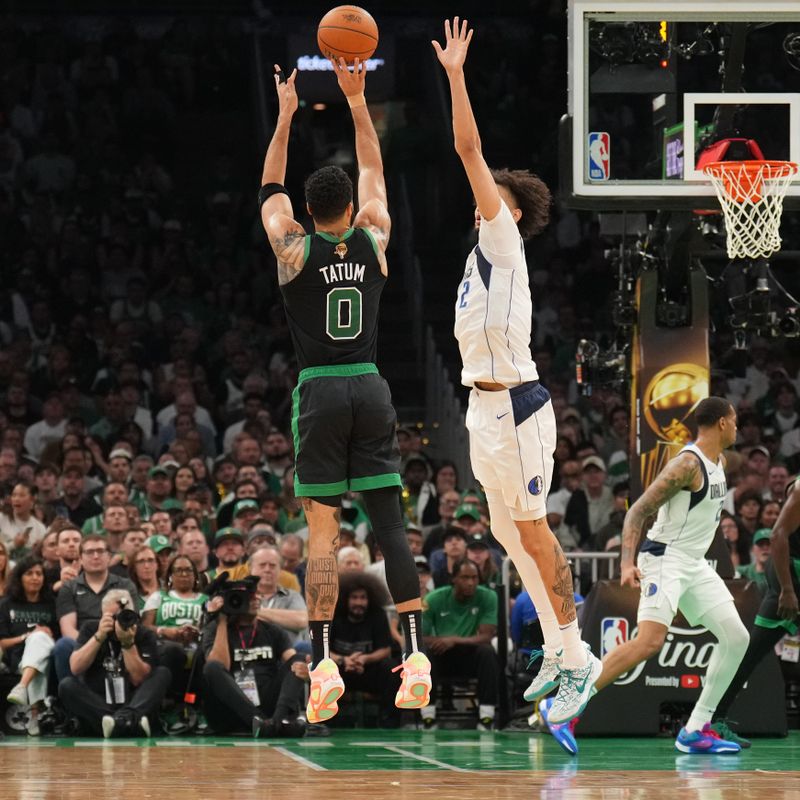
673, 575
510, 417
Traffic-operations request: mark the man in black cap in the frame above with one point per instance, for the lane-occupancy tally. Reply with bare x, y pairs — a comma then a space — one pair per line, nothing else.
156, 498
480, 554
454, 548
419, 494
229, 550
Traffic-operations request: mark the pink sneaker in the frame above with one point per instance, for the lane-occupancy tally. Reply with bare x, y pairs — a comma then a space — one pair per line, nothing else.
327, 687
415, 684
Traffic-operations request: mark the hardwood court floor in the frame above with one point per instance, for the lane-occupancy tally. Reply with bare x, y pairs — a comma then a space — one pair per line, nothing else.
401, 765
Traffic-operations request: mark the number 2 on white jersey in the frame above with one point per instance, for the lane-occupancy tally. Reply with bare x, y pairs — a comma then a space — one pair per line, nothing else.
462, 303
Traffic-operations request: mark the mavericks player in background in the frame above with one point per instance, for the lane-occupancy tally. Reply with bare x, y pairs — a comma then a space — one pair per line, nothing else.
674, 575
342, 419
511, 423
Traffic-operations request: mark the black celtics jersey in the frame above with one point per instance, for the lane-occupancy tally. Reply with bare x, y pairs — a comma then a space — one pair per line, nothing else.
332, 305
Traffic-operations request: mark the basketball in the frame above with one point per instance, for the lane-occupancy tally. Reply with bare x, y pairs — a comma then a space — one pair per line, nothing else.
347, 32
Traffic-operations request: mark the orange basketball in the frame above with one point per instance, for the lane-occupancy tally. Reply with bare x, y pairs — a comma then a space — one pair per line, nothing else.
347, 32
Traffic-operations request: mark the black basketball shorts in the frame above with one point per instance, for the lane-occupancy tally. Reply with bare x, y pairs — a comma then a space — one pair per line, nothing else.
767, 616
343, 424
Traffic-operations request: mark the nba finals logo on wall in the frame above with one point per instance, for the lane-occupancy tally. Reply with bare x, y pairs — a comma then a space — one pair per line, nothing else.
670, 369
669, 398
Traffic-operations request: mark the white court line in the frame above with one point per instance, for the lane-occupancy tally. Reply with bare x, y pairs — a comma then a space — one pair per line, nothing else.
109, 743
312, 743
387, 744
27, 743
435, 762
300, 759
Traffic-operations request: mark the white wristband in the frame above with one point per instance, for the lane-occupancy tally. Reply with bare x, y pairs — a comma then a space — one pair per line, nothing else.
356, 100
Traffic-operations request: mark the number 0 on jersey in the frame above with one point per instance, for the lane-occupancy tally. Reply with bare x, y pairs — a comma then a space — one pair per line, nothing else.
343, 313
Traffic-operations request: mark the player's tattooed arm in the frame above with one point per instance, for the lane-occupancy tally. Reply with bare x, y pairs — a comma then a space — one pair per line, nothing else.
681, 473
289, 248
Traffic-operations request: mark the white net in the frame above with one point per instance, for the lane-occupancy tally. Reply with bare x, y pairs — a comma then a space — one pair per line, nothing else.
751, 195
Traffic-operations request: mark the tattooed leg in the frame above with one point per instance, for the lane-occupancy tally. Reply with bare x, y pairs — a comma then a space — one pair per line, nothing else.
563, 586
322, 576
540, 543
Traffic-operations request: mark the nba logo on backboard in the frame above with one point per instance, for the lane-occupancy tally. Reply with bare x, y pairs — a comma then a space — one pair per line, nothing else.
613, 633
599, 152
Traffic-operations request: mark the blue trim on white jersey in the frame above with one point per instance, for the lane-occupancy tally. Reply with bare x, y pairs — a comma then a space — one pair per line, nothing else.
484, 267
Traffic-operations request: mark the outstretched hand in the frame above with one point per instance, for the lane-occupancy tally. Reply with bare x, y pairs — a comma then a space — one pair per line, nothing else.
351, 83
457, 40
287, 94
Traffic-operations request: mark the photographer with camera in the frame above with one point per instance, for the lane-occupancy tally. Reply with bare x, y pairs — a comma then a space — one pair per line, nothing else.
79, 600
118, 682
248, 682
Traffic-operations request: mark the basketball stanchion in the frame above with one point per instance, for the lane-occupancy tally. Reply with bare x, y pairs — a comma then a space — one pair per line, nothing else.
751, 195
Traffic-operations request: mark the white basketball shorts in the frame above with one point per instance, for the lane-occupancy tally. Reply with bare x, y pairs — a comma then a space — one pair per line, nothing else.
674, 582
512, 437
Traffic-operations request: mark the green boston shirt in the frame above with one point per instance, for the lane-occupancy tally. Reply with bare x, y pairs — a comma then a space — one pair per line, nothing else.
443, 615
172, 611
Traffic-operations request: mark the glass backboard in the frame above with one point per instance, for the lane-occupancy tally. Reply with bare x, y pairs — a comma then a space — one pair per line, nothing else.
653, 85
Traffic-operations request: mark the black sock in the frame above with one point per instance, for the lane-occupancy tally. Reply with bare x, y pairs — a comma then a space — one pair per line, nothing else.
319, 630
411, 622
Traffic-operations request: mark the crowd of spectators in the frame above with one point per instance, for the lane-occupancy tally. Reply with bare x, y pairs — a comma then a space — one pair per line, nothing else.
145, 395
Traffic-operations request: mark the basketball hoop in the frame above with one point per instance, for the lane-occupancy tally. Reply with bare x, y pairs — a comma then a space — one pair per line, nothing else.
751, 195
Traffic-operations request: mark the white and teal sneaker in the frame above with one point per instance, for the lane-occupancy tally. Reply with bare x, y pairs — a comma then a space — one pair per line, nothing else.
547, 678
575, 690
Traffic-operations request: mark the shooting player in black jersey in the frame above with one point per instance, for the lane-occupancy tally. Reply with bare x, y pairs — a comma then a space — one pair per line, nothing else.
343, 421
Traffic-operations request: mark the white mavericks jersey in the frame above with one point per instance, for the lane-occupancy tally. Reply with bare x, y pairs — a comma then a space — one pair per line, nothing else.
494, 309
688, 522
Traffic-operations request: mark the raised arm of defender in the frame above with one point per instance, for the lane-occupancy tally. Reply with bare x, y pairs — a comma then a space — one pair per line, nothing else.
285, 233
372, 203
683, 472
465, 129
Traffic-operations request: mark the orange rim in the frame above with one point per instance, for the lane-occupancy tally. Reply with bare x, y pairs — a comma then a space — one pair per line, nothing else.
744, 180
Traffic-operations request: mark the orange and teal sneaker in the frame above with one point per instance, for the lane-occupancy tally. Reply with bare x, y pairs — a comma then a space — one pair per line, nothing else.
415, 683
327, 687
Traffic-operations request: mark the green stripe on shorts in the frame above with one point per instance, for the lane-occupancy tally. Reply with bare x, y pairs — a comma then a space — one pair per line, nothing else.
766, 622
336, 371
318, 489
375, 481
295, 417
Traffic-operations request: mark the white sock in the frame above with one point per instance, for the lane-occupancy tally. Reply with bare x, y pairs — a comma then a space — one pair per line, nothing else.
732, 637
507, 533
698, 719
485, 711
575, 655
